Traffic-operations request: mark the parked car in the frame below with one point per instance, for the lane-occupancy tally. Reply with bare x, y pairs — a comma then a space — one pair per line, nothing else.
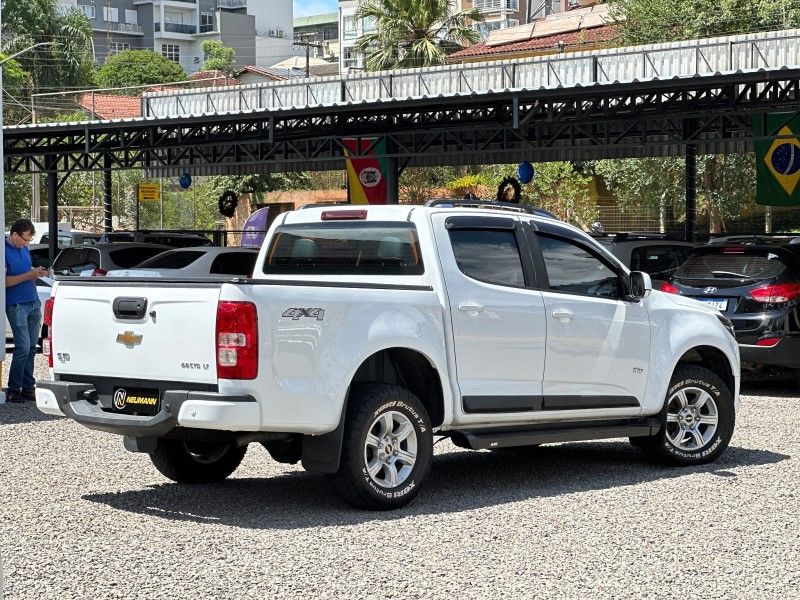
652, 253
755, 282
198, 262
44, 286
100, 258
73, 237
175, 239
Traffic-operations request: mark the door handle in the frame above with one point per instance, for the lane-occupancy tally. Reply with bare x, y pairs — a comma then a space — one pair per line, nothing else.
563, 315
471, 307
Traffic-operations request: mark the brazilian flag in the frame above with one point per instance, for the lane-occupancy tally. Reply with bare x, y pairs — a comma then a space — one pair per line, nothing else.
777, 159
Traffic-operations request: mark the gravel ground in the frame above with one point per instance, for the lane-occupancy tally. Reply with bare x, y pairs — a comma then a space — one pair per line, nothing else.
82, 518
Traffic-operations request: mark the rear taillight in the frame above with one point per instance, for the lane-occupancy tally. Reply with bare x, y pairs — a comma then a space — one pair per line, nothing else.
344, 215
669, 288
99, 273
47, 319
237, 340
776, 294
768, 342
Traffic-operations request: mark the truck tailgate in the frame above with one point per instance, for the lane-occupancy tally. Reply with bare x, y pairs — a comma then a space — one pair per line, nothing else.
172, 340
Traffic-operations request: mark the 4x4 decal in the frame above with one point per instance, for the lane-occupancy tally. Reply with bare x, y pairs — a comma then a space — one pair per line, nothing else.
296, 313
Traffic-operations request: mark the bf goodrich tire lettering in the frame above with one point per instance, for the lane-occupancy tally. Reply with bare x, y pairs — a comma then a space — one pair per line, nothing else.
387, 449
697, 419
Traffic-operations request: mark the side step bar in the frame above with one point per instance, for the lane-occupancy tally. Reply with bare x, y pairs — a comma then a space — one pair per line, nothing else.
484, 440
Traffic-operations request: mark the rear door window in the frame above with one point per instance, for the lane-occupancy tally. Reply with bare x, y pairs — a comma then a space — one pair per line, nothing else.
489, 255
126, 258
177, 259
345, 248
234, 263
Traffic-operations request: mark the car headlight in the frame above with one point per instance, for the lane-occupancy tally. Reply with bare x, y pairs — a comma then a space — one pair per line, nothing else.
727, 324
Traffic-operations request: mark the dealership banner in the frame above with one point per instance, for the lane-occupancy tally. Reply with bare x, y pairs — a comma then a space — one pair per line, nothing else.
366, 175
777, 159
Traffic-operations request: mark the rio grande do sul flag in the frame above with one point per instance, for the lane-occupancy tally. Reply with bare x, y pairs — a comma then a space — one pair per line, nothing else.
777, 159
366, 175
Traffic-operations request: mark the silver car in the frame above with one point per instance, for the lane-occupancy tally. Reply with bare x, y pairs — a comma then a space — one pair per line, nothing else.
192, 263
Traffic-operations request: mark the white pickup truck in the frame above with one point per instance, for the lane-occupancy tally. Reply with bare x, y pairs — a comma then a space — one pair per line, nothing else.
366, 332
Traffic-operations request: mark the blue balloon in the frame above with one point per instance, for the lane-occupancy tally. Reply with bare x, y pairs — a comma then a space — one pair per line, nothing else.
525, 171
186, 181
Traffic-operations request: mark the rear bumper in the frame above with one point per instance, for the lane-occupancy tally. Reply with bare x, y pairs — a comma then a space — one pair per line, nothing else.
785, 353
192, 409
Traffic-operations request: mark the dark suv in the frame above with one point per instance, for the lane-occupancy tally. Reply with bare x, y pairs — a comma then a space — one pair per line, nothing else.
755, 282
174, 239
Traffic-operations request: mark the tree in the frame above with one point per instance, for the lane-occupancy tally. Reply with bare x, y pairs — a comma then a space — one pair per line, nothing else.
654, 21
15, 81
67, 62
138, 68
218, 57
413, 33
725, 185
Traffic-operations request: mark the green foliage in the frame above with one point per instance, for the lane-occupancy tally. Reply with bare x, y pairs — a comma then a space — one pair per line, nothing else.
654, 21
725, 185
258, 184
17, 191
138, 68
413, 33
15, 81
417, 185
218, 57
468, 184
67, 61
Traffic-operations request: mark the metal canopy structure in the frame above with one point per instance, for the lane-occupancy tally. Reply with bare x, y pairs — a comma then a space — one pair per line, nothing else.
706, 111
656, 118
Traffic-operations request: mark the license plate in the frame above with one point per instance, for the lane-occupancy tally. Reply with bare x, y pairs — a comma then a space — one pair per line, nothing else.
720, 304
135, 401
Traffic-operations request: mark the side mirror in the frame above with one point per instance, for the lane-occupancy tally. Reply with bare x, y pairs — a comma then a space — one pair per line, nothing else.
640, 284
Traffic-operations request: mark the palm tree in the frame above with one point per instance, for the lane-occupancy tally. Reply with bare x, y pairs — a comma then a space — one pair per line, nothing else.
413, 33
67, 61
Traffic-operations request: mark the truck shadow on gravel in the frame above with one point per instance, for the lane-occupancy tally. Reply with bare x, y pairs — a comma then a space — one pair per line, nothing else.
16, 414
459, 481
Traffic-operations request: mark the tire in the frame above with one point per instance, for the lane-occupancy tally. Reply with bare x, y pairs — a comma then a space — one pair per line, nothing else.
378, 470
196, 462
697, 420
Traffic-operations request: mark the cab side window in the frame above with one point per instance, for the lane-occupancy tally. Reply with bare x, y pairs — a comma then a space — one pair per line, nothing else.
573, 270
488, 255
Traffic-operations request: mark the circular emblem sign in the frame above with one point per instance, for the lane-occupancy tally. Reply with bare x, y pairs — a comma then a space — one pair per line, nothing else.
370, 177
786, 159
120, 398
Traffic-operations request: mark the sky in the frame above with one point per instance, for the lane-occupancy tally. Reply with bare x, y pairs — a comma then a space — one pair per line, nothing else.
306, 8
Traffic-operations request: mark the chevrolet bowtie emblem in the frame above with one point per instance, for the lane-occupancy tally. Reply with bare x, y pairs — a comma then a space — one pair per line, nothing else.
129, 338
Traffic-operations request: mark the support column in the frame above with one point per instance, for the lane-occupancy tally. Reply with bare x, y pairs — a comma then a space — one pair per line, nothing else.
392, 181
107, 213
691, 181
52, 208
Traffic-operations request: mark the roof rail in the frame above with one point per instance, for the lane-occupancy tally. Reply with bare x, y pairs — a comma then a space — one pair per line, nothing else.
476, 203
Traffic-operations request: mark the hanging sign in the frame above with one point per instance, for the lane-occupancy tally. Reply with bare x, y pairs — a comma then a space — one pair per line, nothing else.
149, 192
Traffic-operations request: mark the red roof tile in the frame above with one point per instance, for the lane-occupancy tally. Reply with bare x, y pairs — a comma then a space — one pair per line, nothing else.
107, 106
571, 40
212, 78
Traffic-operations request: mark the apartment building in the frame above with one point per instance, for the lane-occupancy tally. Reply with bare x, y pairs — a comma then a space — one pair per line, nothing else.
259, 31
497, 14
321, 30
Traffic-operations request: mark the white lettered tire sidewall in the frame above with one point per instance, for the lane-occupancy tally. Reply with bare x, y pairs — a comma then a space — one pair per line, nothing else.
353, 482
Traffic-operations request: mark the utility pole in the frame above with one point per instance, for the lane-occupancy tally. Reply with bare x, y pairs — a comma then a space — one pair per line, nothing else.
308, 45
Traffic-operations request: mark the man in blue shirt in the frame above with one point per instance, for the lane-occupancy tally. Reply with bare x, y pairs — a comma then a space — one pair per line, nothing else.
23, 309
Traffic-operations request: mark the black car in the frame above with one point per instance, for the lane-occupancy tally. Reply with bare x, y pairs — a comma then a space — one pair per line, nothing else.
174, 239
755, 282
